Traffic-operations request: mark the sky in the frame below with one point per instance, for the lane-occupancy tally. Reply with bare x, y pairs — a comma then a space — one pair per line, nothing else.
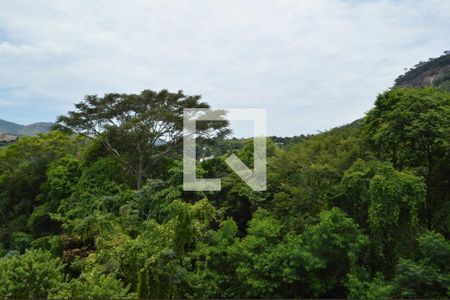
312, 65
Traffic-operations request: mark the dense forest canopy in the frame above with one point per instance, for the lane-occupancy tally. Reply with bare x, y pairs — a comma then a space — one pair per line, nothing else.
360, 211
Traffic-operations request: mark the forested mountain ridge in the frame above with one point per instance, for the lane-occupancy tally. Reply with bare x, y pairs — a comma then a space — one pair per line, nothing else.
434, 72
98, 210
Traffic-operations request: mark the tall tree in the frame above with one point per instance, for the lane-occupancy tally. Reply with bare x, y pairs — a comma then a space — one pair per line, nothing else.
138, 129
410, 127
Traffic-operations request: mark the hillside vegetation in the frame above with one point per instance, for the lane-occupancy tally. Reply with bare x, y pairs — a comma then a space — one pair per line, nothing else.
98, 210
435, 72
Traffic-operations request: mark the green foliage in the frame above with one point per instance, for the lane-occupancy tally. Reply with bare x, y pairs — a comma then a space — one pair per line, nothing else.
308, 265
304, 179
253, 270
62, 177
360, 286
410, 126
23, 169
51, 243
395, 199
138, 129
356, 212
354, 189
387, 204
93, 286
35, 274
20, 241
338, 243
392, 194
428, 275
212, 265
154, 262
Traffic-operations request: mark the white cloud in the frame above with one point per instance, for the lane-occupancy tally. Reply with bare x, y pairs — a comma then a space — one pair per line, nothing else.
312, 64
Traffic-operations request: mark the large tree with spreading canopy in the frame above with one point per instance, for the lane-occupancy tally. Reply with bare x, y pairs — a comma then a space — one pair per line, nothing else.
138, 129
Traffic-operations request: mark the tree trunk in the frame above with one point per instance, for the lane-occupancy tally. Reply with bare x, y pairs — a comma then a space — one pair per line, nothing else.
428, 199
140, 172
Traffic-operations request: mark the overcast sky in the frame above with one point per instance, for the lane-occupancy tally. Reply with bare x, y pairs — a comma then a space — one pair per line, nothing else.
312, 64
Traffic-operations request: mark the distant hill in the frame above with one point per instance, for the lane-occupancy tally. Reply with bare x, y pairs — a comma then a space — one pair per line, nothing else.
35, 128
434, 72
7, 127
